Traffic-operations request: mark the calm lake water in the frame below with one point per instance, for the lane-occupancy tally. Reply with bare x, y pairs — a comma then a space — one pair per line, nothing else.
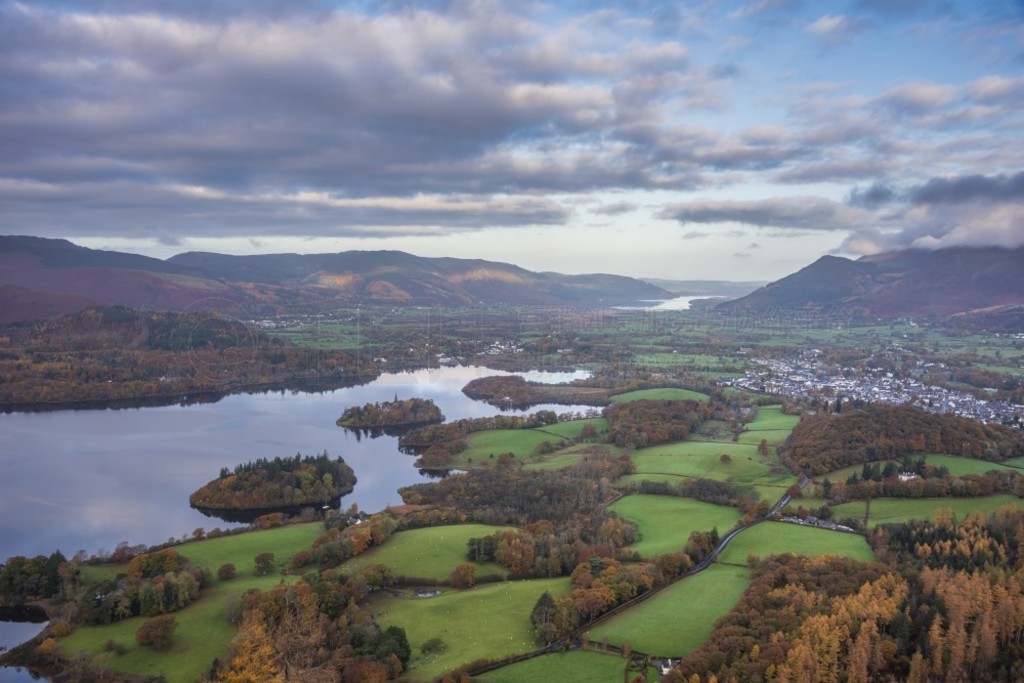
89, 479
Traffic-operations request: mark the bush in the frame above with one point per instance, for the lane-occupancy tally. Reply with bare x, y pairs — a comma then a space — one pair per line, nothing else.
226, 571
61, 629
302, 559
265, 564
433, 646
156, 633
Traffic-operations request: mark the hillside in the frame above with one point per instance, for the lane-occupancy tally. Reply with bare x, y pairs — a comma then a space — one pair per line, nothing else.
899, 284
45, 271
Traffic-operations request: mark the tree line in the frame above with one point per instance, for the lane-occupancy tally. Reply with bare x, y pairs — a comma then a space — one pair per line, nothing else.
824, 443
115, 353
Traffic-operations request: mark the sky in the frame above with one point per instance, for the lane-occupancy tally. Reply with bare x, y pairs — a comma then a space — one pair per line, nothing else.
735, 140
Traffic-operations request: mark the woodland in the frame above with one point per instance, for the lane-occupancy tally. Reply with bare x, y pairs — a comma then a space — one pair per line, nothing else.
410, 412
265, 484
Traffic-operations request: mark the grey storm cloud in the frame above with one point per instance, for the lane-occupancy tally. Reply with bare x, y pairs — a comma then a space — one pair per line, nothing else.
873, 196
805, 213
968, 188
971, 210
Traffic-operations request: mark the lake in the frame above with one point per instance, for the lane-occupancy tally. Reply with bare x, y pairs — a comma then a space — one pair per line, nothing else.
89, 479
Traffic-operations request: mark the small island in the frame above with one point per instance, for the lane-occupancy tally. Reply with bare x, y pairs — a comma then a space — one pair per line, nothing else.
278, 485
411, 412
512, 392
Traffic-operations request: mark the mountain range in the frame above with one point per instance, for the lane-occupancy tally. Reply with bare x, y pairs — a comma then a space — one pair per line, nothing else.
41, 277
960, 281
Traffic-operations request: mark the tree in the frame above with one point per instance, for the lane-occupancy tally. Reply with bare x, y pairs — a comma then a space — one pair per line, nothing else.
463, 576
226, 571
156, 633
265, 564
394, 641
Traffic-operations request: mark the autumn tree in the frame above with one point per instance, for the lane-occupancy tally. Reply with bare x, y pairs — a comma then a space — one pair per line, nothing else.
157, 632
265, 563
463, 576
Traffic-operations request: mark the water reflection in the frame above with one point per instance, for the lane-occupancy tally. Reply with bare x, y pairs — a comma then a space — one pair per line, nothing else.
89, 479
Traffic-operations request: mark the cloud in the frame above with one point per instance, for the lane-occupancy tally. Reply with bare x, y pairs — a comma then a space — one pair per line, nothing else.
973, 210
808, 213
833, 28
961, 189
761, 8
996, 89
434, 99
917, 98
872, 197
615, 209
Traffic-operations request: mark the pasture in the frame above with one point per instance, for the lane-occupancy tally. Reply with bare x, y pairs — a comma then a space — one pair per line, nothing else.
666, 394
575, 666
489, 621
774, 538
666, 522
430, 553
680, 618
486, 446
896, 510
703, 459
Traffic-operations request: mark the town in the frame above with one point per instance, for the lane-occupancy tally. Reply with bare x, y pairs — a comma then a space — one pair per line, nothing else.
809, 378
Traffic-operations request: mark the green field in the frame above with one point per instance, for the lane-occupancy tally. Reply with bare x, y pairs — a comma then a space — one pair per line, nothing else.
204, 627
773, 538
239, 549
702, 459
666, 522
576, 666
957, 466
772, 418
429, 553
667, 394
678, 619
893, 510
488, 445
486, 622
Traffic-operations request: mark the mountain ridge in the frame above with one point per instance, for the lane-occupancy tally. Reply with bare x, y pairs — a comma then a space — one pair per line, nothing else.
956, 281
268, 283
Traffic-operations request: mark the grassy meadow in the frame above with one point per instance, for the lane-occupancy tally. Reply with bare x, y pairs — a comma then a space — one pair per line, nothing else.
486, 446
665, 522
484, 622
894, 510
678, 619
666, 394
430, 553
576, 666
774, 538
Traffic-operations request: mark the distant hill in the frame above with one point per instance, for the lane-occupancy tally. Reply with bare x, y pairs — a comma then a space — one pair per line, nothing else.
58, 275
913, 283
